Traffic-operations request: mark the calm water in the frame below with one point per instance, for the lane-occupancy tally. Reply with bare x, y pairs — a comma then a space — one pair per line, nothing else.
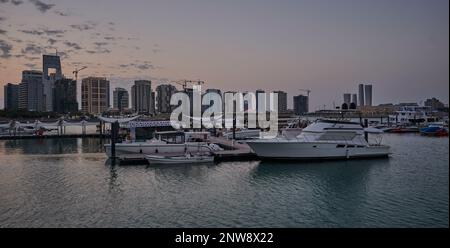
66, 183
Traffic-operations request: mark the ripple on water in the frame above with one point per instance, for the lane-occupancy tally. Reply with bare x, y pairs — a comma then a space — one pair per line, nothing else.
69, 185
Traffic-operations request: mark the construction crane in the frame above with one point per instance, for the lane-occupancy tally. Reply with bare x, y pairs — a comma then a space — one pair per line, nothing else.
182, 83
307, 91
75, 72
185, 82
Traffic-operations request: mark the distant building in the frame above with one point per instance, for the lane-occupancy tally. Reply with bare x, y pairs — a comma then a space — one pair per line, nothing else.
49, 79
141, 97
361, 95
11, 96
228, 106
247, 105
259, 100
120, 99
94, 95
164, 94
206, 97
434, 103
347, 98
344, 106
153, 103
65, 96
31, 91
301, 104
282, 101
404, 104
355, 99
368, 94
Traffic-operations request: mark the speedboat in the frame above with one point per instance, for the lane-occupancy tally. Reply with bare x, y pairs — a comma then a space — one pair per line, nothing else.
434, 130
188, 142
401, 129
186, 159
323, 139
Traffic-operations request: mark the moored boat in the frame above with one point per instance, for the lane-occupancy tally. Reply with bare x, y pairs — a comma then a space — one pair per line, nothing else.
402, 129
324, 139
434, 131
177, 143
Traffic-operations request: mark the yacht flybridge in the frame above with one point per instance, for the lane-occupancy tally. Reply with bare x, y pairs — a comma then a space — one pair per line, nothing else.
323, 139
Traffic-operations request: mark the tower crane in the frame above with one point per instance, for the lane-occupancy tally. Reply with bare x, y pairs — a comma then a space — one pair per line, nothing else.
185, 82
307, 91
182, 83
75, 72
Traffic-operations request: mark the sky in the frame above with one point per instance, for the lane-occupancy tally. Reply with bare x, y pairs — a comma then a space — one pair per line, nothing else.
401, 47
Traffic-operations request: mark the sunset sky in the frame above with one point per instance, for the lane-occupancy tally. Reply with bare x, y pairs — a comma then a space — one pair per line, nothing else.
328, 46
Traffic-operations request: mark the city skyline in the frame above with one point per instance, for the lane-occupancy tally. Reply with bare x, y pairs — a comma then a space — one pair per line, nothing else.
326, 46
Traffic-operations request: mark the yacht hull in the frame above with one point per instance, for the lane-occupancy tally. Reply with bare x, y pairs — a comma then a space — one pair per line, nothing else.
139, 150
315, 150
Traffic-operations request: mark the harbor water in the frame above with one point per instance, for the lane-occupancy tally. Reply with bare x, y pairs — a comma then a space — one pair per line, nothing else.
67, 183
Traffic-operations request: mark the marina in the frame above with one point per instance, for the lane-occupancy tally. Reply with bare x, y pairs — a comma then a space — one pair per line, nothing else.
225, 114
69, 183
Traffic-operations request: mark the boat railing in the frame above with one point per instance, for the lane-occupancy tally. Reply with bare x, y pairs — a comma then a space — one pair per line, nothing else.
339, 139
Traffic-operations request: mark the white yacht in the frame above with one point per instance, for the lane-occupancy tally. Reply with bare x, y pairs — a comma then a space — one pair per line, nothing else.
166, 143
323, 139
294, 129
412, 115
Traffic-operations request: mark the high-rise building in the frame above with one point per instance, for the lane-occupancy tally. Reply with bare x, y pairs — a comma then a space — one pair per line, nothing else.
153, 103
94, 95
31, 91
361, 95
49, 78
164, 94
265, 101
282, 101
65, 96
120, 98
433, 103
347, 98
368, 94
207, 97
355, 99
11, 96
301, 104
141, 97
229, 106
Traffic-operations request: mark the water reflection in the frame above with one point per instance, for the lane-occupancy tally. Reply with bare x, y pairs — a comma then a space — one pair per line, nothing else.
339, 191
180, 171
114, 185
51, 146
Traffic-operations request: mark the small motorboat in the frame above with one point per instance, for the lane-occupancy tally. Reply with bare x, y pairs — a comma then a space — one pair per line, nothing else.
434, 131
186, 159
402, 129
